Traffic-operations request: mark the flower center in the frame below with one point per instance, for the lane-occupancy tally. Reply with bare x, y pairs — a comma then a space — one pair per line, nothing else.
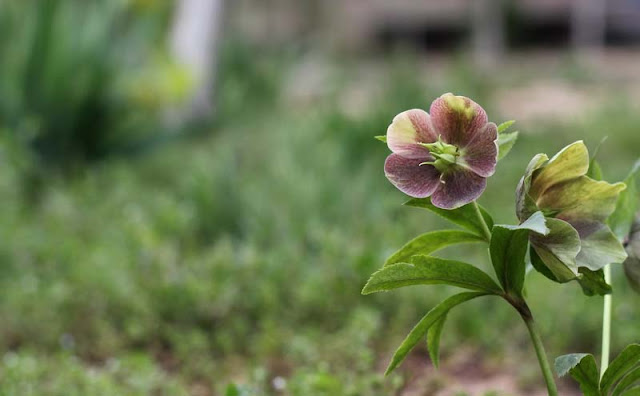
445, 154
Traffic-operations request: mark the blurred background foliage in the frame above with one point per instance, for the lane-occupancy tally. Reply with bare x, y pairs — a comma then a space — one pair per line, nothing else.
227, 258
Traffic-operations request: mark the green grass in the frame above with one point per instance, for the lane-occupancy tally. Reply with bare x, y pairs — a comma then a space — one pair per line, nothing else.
239, 256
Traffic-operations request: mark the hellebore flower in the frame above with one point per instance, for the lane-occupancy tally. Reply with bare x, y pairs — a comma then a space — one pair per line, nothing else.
446, 155
576, 208
632, 263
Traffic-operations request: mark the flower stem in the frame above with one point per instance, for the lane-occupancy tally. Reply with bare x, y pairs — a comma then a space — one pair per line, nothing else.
540, 352
483, 222
606, 324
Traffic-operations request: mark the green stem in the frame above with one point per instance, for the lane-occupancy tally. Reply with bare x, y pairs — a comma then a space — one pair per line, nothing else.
540, 352
606, 324
485, 227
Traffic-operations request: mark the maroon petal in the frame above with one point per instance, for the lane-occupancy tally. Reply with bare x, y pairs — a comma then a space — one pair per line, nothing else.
407, 130
481, 153
413, 179
457, 118
459, 187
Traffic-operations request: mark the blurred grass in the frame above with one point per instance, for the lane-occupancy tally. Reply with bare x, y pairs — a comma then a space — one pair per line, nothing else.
238, 257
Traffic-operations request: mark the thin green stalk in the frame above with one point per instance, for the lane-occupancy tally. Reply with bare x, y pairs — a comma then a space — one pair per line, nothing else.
606, 324
485, 227
540, 353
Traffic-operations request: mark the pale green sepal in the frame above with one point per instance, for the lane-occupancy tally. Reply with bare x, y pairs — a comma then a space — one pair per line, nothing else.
582, 199
600, 248
525, 205
558, 249
571, 162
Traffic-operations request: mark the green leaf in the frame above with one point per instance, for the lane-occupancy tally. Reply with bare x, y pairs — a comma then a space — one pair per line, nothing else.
464, 216
595, 171
632, 392
540, 266
382, 138
626, 207
433, 340
428, 270
593, 283
505, 125
420, 329
557, 250
431, 242
232, 390
506, 141
626, 360
508, 250
583, 369
632, 378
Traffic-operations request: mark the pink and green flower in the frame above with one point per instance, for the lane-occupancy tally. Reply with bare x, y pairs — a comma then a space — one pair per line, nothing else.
576, 208
446, 154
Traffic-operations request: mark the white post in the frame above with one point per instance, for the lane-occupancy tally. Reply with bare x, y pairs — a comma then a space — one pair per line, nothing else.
194, 41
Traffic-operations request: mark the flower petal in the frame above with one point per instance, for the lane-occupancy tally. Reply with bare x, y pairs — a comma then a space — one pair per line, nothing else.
481, 154
407, 130
558, 249
525, 206
581, 199
571, 162
457, 118
460, 186
599, 246
413, 179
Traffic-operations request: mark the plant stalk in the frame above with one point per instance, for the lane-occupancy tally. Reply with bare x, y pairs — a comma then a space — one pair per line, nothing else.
485, 227
606, 324
540, 352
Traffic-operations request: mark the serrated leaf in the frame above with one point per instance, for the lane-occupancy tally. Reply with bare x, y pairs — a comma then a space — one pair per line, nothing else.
632, 378
506, 141
420, 329
593, 282
430, 242
625, 361
464, 216
508, 250
433, 340
622, 217
505, 125
382, 138
428, 270
582, 368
